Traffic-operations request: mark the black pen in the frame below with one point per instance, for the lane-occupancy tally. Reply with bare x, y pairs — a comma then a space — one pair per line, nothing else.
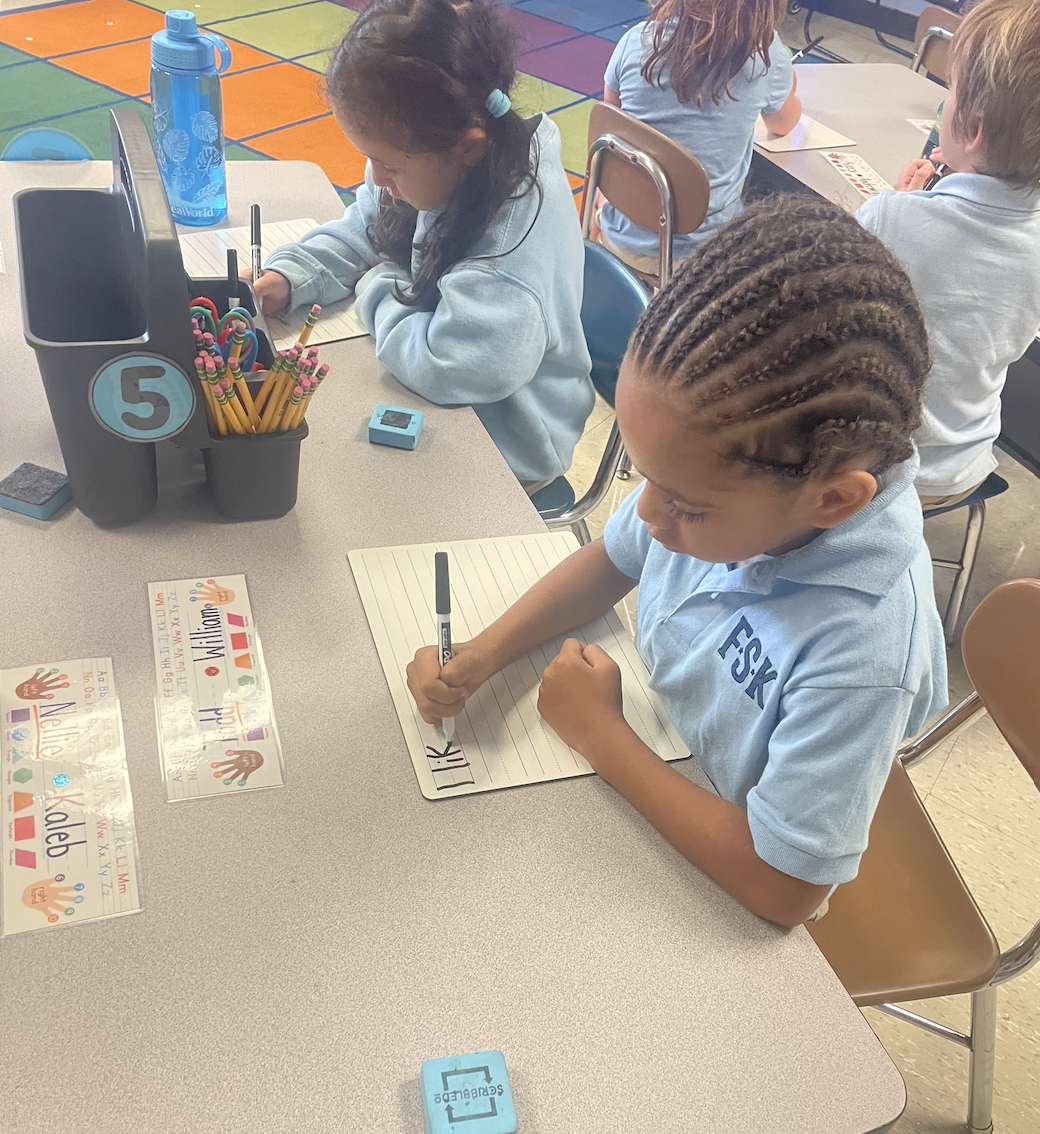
232, 278
937, 176
807, 48
443, 604
254, 240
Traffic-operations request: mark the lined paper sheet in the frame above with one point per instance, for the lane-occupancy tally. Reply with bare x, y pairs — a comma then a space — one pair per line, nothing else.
808, 134
500, 740
205, 256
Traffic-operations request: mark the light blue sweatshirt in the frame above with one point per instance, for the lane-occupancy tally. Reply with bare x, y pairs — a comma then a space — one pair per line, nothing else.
506, 335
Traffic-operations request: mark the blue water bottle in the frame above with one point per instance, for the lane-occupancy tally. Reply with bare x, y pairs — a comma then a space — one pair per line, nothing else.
189, 131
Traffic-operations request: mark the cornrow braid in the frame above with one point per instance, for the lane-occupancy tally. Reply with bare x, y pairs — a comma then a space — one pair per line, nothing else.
796, 324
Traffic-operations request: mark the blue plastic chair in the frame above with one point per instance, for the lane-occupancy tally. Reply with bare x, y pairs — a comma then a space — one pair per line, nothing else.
45, 145
963, 566
613, 300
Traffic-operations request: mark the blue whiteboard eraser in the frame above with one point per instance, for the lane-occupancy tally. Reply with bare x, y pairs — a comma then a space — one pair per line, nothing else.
467, 1094
396, 427
34, 491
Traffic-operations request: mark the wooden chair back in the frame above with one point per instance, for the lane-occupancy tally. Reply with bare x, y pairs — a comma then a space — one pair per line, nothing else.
933, 48
999, 651
631, 190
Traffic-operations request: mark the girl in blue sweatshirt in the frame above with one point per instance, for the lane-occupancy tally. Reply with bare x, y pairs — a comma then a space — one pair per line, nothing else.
463, 248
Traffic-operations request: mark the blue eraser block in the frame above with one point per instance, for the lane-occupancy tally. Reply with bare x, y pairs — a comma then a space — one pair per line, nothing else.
34, 491
467, 1094
394, 426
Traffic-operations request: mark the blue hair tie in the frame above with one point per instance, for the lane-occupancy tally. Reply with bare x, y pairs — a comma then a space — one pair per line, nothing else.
497, 103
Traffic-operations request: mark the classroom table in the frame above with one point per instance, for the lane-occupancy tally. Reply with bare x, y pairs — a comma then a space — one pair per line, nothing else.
301, 950
867, 102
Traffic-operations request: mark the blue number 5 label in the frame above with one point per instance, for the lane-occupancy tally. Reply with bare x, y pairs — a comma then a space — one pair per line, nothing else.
142, 397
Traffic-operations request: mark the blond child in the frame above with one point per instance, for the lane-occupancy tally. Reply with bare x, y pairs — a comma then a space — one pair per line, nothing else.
971, 244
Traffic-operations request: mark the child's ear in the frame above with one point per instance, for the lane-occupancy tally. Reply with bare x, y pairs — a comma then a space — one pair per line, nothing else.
974, 145
840, 496
470, 147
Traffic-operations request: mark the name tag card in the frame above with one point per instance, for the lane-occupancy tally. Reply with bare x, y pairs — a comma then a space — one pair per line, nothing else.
69, 847
213, 708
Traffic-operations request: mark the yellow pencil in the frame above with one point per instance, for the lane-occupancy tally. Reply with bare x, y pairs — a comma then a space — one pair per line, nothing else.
275, 395
269, 381
290, 410
214, 419
243, 393
319, 377
238, 338
279, 399
235, 406
309, 325
292, 415
224, 401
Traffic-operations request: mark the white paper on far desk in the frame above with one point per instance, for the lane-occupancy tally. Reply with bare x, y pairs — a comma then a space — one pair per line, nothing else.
500, 740
808, 134
205, 256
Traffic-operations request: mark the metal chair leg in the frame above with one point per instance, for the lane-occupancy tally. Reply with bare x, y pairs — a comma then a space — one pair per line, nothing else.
581, 530
624, 469
970, 549
980, 1067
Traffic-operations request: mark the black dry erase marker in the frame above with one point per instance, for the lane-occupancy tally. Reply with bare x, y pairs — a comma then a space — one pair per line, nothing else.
254, 240
937, 176
443, 605
232, 278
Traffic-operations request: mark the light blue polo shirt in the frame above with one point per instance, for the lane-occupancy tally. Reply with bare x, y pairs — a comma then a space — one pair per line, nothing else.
971, 247
793, 679
719, 137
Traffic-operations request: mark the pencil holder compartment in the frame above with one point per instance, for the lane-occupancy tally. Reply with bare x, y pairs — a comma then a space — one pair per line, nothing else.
255, 477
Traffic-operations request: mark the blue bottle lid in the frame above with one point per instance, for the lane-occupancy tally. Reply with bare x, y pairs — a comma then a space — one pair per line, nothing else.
182, 47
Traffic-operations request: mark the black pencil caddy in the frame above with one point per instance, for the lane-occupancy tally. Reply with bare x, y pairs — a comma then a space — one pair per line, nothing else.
105, 307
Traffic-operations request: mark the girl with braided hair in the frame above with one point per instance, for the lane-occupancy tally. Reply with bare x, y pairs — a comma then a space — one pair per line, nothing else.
463, 248
785, 608
700, 72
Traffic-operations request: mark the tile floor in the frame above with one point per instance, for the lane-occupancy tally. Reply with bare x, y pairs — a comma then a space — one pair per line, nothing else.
66, 64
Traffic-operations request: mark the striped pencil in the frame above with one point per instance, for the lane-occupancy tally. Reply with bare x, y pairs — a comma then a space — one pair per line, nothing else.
310, 324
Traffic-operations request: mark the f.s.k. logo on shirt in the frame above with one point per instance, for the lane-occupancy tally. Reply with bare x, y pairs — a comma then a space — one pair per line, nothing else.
746, 660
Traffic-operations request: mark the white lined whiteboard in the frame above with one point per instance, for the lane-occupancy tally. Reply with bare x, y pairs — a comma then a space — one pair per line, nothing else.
500, 740
205, 256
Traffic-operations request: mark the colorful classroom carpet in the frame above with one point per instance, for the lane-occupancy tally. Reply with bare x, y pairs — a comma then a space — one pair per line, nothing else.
65, 65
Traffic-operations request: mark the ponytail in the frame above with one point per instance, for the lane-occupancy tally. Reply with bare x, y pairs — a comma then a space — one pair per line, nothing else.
419, 73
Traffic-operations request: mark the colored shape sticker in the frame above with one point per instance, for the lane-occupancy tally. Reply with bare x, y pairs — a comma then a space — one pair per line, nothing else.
142, 397
20, 734
236, 620
22, 800
25, 858
243, 661
16, 715
22, 776
24, 828
239, 642
60, 780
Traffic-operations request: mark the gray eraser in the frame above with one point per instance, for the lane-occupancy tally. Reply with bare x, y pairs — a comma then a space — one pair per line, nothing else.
34, 491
